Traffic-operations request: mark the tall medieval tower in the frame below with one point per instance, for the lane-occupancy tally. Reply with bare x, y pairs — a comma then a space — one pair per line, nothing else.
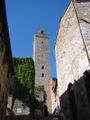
42, 64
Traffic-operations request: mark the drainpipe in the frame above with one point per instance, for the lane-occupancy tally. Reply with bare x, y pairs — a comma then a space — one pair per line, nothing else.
83, 40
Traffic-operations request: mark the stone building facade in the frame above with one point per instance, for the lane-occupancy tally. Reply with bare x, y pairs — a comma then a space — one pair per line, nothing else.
54, 95
71, 57
6, 65
72, 50
75, 101
41, 57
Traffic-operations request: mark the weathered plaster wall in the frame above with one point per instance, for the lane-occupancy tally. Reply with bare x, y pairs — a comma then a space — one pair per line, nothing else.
72, 60
83, 13
71, 56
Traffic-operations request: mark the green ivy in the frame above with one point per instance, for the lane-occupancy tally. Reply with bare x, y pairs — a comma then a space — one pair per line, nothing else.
40, 88
26, 77
26, 72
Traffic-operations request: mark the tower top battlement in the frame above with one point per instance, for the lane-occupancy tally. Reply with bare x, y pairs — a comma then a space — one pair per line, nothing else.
41, 33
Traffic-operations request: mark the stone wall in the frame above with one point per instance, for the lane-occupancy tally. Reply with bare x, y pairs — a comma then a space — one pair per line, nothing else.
21, 101
71, 58
6, 66
42, 64
74, 101
83, 13
53, 90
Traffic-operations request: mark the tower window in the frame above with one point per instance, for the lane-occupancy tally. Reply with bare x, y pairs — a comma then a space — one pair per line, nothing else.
3, 98
42, 74
42, 67
42, 42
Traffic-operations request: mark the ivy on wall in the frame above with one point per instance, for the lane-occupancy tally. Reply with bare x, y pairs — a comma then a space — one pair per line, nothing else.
26, 73
39, 89
26, 77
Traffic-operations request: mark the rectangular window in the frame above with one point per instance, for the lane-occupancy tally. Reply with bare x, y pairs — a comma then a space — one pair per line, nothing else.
42, 74
42, 67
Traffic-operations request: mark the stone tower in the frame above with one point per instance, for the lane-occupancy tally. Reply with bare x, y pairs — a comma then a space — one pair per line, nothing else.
42, 63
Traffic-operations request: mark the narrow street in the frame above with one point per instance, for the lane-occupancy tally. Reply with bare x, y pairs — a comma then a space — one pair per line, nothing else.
45, 60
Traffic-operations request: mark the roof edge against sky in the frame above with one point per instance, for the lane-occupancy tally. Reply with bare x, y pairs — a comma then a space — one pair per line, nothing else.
60, 21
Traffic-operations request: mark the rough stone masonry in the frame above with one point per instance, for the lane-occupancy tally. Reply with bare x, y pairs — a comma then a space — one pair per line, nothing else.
42, 64
72, 50
6, 65
71, 57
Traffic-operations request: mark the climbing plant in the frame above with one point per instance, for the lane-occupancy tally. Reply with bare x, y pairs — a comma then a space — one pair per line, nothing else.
26, 76
39, 89
25, 72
